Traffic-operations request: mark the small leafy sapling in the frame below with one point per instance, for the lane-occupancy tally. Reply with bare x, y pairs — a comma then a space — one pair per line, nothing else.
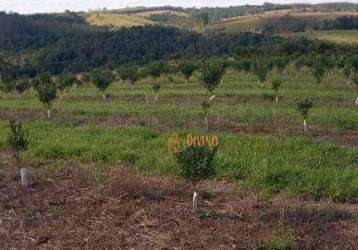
64, 82
3, 70
187, 69
47, 92
276, 84
102, 79
6, 81
196, 163
347, 71
353, 81
129, 73
156, 87
280, 64
84, 78
22, 85
156, 70
243, 65
18, 141
261, 70
299, 63
318, 71
212, 73
304, 106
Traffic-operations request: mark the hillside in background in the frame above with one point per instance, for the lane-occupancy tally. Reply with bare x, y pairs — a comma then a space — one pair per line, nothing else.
259, 22
82, 41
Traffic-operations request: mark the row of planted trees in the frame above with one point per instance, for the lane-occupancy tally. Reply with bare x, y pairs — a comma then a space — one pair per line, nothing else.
210, 72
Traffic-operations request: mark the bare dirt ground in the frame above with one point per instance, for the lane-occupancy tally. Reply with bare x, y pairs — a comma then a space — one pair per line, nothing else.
70, 210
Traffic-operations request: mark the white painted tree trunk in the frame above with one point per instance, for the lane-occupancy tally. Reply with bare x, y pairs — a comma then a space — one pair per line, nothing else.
357, 101
25, 177
276, 99
206, 123
104, 98
49, 116
305, 126
195, 202
156, 98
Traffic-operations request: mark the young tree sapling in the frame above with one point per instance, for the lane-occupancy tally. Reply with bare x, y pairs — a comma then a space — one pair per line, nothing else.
212, 73
196, 163
187, 69
47, 92
102, 79
276, 84
304, 106
156, 70
18, 141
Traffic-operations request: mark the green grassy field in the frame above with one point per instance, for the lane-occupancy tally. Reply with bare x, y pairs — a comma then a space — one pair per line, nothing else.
116, 20
262, 145
349, 37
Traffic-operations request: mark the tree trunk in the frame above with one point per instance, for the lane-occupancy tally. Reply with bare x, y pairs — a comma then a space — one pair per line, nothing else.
276, 99
49, 116
156, 98
357, 101
195, 202
25, 177
104, 98
305, 126
206, 123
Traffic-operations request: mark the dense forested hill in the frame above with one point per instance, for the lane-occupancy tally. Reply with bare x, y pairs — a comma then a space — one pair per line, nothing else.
67, 41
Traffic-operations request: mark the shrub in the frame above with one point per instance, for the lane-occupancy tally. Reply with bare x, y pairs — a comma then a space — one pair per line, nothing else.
196, 163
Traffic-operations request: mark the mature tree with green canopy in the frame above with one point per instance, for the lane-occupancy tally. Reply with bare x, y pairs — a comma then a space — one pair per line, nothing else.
102, 79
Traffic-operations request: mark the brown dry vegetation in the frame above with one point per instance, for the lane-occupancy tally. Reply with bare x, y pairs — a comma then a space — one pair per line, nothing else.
71, 210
